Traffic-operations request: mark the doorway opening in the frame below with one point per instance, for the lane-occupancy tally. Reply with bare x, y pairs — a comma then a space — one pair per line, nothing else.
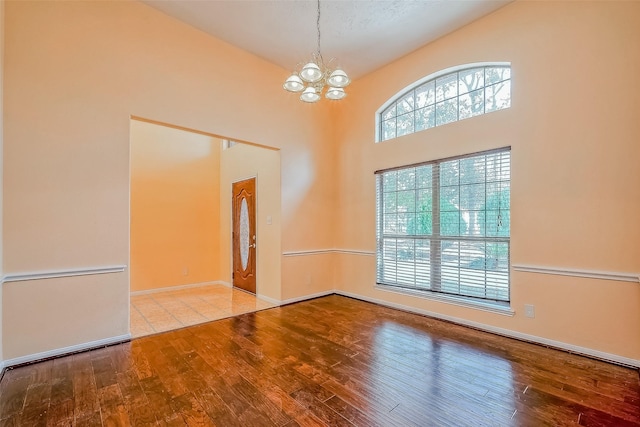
181, 220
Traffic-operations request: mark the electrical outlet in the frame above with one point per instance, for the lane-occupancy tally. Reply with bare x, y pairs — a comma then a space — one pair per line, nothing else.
529, 310
185, 271
308, 279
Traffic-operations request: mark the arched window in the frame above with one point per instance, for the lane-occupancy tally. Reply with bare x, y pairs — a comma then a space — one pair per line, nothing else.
444, 97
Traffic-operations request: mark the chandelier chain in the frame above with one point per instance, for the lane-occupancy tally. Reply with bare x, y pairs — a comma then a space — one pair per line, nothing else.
318, 27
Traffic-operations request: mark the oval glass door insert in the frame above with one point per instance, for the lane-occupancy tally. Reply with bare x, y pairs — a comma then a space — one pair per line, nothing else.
244, 234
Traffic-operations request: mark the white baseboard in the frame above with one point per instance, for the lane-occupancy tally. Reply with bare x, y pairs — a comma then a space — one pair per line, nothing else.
621, 360
614, 358
66, 350
297, 299
306, 297
268, 299
179, 287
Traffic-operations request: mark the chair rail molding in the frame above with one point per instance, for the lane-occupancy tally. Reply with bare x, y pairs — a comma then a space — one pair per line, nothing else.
53, 274
328, 251
574, 272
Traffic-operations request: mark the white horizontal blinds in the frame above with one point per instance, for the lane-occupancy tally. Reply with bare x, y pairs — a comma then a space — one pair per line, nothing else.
444, 226
448, 98
405, 201
474, 226
379, 225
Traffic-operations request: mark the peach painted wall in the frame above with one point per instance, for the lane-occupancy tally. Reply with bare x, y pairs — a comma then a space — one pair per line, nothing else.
75, 72
1, 158
308, 265
30, 328
574, 131
308, 274
243, 161
175, 207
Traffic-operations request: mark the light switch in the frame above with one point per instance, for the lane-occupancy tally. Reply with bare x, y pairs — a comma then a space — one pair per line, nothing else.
268, 219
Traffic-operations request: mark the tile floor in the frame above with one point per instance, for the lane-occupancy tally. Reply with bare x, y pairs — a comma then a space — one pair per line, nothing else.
163, 311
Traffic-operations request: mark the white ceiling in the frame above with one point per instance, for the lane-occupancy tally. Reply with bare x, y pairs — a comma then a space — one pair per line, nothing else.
362, 35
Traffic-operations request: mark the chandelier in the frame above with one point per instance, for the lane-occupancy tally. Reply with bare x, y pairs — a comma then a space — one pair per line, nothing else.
315, 75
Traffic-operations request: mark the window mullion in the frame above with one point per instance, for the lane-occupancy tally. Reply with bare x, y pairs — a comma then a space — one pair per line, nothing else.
380, 236
435, 247
416, 209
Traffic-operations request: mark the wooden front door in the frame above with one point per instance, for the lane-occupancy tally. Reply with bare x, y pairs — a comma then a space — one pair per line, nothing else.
244, 234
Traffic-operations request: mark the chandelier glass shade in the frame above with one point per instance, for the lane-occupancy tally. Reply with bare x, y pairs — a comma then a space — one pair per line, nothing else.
335, 93
314, 76
311, 73
294, 84
338, 79
310, 95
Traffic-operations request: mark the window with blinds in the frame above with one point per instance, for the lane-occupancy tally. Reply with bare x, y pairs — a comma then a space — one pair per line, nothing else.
444, 226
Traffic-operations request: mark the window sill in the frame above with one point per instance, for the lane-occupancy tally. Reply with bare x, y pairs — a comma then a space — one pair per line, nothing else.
502, 308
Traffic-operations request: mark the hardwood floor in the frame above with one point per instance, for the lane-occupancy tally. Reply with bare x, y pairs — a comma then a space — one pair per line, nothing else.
331, 361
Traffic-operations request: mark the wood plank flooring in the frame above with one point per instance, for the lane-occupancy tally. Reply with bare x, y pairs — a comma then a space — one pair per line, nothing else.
332, 361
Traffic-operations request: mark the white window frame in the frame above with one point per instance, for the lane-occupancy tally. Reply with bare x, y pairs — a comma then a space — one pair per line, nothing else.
433, 76
488, 304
